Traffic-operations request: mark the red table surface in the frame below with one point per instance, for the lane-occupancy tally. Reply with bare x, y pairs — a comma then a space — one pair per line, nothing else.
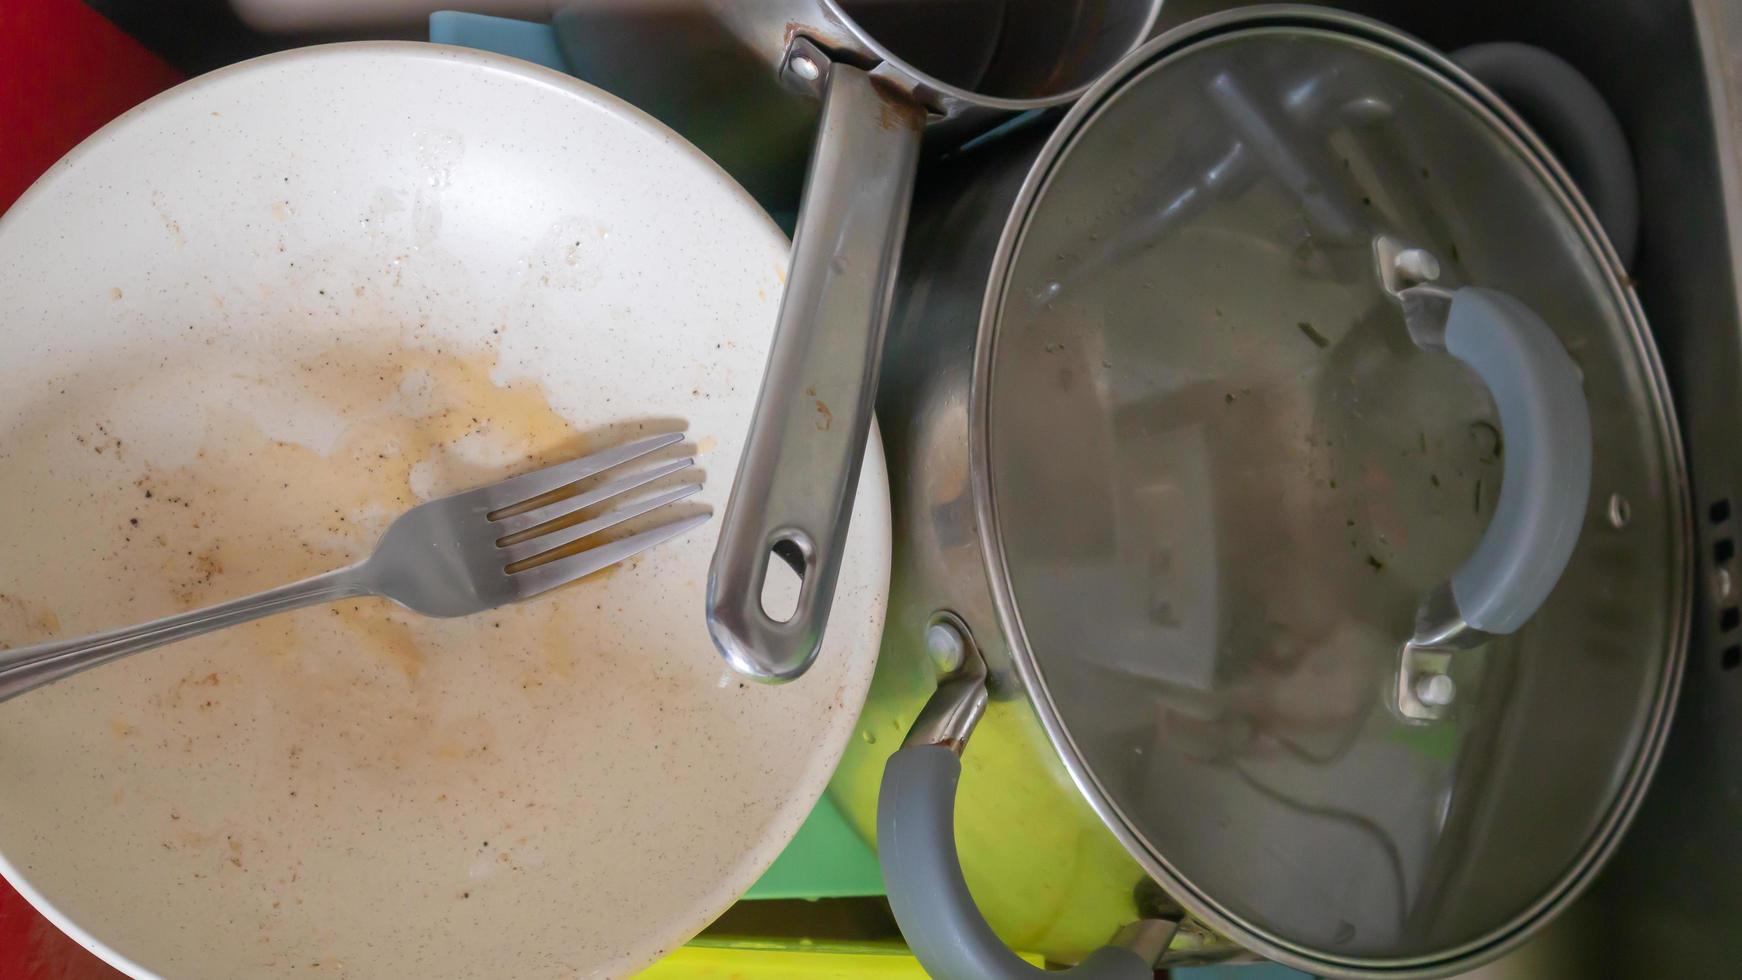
64, 72
32, 949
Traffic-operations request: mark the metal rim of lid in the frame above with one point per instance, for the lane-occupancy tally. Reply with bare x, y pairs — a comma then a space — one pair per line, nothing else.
1441, 71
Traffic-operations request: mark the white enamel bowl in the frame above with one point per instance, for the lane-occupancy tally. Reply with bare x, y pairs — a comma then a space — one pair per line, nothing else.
246, 324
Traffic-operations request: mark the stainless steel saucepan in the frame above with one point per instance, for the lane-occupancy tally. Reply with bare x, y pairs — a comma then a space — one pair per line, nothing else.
885, 72
1292, 509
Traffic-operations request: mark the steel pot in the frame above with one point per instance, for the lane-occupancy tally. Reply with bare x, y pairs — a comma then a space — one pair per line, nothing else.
1290, 500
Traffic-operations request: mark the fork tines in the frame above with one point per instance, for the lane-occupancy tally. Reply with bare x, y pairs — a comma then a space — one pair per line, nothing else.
530, 529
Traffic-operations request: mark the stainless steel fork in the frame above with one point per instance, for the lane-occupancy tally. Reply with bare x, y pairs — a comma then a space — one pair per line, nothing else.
450, 557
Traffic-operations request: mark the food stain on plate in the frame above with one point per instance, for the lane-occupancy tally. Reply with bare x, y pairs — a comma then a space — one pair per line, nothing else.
269, 497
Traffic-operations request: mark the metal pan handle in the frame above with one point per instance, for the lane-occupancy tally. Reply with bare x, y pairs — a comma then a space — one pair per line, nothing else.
793, 495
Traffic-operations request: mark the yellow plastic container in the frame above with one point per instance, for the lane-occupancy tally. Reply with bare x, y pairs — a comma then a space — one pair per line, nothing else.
737, 961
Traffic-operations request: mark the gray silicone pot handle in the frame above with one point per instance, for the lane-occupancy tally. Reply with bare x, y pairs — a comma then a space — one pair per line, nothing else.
916, 846
1546, 469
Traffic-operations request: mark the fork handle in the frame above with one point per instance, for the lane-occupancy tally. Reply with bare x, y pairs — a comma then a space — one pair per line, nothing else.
28, 668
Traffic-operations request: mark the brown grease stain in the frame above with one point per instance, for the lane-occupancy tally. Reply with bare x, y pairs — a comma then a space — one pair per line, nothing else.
350, 682
23, 622
386, 632
896, 109
170, 224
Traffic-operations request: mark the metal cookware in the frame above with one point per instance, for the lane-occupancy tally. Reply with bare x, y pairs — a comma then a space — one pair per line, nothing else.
250, 322
884, 71
1291, 502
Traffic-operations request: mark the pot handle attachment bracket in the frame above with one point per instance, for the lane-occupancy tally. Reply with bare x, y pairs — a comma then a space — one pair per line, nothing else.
1545, 476
916, 847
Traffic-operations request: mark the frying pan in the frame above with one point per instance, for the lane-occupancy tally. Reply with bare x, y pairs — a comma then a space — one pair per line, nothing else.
249, 322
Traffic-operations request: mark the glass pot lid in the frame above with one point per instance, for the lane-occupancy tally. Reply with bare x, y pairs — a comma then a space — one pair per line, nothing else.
1227, 480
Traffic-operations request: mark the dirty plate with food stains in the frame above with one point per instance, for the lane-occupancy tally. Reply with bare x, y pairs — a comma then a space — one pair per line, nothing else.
249, 323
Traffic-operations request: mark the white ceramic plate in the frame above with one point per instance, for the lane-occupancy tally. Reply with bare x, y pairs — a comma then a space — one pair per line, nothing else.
244, 326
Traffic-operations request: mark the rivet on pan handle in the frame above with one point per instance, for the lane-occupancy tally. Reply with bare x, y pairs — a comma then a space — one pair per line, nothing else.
794, 490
